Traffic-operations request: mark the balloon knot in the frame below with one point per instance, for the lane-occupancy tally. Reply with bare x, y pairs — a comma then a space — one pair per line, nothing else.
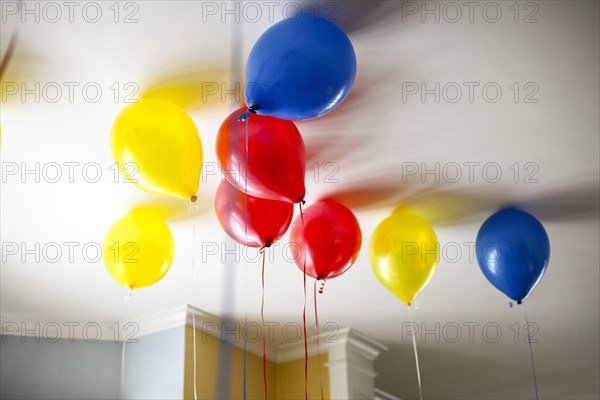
252, 109
244, 117
303, 201
520, 302
268, 243
193, 198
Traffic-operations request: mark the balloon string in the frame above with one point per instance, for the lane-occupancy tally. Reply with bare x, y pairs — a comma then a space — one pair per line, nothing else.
193, 211
305, 340
304, 314
195, 355
414, 340
301, 212
262, 316
317, 334
245, 324
246, 179
531, 355
245, 353
126, 301
245, 117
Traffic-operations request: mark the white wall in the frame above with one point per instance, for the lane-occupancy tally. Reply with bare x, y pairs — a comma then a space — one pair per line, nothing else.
61, 370
83, 370
154, 366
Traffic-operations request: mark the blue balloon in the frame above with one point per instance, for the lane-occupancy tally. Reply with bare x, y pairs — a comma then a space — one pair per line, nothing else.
300, 68
513, 252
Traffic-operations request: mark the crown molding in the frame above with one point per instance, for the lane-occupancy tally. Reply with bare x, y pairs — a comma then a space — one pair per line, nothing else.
51, 331
93, 331
162, 320
178, 316
221, 329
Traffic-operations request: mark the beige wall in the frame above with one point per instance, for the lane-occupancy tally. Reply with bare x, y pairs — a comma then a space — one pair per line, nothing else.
290, 379
285, 381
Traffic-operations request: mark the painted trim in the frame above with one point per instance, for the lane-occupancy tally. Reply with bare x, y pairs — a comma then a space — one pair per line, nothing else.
178, 316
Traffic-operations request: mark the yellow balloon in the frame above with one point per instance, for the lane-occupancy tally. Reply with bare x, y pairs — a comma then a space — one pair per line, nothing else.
156, 146
404, 253
138, 249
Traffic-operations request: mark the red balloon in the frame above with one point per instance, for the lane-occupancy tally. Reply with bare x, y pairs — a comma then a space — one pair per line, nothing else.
276, 156
267, 220
329, 239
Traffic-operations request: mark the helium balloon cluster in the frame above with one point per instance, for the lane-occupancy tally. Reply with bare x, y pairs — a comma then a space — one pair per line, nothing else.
157, 147
513, 251
299, 69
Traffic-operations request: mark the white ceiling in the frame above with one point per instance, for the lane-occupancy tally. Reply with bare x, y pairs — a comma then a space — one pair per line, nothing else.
368, 138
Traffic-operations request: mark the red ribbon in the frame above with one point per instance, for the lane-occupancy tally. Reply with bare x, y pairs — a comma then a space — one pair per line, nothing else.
317, 333
262, 315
